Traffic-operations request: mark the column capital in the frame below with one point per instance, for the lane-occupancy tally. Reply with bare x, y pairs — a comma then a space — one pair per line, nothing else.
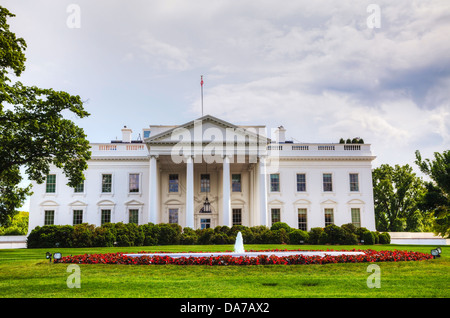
153, 156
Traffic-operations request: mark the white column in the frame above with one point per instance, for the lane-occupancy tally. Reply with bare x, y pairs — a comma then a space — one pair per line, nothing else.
226, 203
153, 191
190, 192
262, 191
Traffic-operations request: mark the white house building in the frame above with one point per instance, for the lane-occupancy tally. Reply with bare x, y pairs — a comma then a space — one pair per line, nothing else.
209, 172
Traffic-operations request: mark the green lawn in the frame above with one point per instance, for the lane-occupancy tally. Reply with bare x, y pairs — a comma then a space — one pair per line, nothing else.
25, 273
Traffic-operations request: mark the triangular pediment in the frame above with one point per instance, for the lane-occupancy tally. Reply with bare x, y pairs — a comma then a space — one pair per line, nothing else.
209, 129
134, 202
276, 202
329, 201
78, 203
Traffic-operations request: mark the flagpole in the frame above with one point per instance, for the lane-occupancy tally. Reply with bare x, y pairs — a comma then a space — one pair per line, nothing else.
201, 83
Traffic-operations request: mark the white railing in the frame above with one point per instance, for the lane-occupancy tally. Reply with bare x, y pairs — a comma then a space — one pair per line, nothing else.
300, 147
287, 149
107, 147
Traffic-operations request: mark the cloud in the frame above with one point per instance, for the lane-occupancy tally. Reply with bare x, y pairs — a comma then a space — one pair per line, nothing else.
313, 66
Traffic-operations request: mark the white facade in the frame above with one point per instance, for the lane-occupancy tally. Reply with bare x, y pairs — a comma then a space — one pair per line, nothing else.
247, 178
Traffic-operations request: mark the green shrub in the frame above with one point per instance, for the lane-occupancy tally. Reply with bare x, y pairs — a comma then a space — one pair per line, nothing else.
220, 238
103, 237
128, 234
151, 234
50, 236
385, 238
335, 234
323, 238
188, 237
83, 235
369, 238
275, 236
350, 239
281, 225
297, 236
169, 234
314, 235
205, 236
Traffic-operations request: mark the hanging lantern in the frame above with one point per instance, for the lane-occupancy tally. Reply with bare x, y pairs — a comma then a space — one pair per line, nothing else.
206, 206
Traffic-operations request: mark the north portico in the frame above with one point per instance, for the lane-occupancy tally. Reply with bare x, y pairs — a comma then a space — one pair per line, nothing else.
209, 172
208, 160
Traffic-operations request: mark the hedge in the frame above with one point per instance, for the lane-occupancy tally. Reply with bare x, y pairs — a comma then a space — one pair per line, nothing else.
130, 234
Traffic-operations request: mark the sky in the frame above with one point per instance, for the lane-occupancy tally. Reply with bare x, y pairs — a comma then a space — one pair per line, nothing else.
379, 70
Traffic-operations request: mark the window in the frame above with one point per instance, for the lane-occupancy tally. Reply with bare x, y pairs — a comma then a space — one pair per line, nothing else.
50, 186
302, 225
237, 216
329, 218
354, 182
173, 183
77, 217
274, 183
275, 213
327, 182
236, 183
49, 217
205, 223
356, 217
134, 216
106, 183
301, 182
134, 182
106, 217
204, 183
79, 188
173, 216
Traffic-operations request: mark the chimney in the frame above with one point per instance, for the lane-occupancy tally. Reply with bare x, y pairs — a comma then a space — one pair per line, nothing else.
126, 134
280, 134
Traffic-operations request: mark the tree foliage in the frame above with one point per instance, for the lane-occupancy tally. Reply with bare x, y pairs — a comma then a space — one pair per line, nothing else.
398, 193
437, 198
34, 132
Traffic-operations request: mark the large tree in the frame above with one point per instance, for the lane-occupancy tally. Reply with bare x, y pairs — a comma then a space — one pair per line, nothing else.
438, 195
33, 131
398, 193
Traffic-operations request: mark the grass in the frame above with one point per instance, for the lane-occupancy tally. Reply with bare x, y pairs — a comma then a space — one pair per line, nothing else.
25, 273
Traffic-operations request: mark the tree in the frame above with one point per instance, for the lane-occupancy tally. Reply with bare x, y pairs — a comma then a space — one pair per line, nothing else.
397, 195
34, 133
438, 195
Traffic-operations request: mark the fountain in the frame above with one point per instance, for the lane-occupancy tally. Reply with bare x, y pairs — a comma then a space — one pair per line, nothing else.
240, 251
239, 244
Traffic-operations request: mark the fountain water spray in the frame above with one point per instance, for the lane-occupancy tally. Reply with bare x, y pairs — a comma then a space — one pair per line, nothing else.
239, 244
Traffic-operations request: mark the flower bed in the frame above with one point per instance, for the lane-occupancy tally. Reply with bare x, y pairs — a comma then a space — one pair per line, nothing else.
369, 256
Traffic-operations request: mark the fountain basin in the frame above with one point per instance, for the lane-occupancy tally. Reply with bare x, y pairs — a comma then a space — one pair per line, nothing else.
249, 254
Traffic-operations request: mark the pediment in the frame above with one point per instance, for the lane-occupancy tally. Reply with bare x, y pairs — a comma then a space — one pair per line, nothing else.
355, 201
237, 202
276, 202
209, 129
329, 201
134, 202
173, 202
105, 203
49, 203
78, 203
302, 202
